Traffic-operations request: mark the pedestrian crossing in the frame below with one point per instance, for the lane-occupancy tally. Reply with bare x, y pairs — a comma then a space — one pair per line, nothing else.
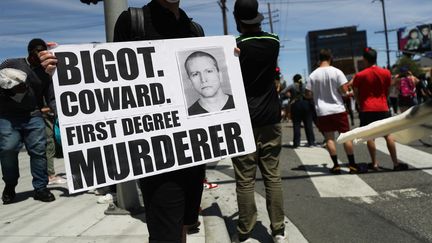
413, 157
317, 163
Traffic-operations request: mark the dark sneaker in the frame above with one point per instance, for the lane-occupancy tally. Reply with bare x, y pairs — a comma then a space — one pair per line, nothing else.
357, 168
400, 166
373, 167
335, 170
8, 194
44, 195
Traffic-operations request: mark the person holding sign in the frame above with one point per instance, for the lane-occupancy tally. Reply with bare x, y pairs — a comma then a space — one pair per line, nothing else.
258, 57
21, 122
172, 199
206, 78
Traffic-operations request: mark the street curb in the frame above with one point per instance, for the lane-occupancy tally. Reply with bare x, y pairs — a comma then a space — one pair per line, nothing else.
214, 223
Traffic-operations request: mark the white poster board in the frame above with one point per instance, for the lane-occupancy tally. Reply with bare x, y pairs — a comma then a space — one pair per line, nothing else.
123, 109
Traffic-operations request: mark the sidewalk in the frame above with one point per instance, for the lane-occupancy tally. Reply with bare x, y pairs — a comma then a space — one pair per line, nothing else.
78, 217
70, 218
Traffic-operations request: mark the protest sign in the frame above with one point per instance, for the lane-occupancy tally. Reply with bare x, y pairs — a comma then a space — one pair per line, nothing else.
129, 110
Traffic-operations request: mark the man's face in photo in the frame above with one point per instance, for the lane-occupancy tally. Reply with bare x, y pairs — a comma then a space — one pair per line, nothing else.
204, 76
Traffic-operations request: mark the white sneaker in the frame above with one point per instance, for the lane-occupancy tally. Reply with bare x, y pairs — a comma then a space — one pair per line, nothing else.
108, 198
55, 180
280, 239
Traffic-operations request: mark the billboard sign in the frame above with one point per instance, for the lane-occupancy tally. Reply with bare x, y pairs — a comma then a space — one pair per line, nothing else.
415, 39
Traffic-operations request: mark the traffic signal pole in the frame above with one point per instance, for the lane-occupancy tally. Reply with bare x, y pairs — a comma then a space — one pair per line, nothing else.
127, 192
112, 9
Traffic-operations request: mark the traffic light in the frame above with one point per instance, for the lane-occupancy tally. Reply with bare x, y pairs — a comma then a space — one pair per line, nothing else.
91, 1
277, 73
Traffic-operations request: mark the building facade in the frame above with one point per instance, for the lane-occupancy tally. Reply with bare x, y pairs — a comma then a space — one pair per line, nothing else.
346, 44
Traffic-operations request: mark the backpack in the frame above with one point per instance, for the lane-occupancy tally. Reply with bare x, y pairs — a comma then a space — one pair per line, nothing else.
407, 88
138, 17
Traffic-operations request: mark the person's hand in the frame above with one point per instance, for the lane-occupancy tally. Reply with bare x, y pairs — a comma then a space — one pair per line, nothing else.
236, 51
45, 110
48, 59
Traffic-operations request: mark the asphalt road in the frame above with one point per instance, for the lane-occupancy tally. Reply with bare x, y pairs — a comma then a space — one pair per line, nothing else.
383, 206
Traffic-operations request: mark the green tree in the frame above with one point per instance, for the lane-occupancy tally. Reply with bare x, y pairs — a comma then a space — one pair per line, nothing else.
409, 63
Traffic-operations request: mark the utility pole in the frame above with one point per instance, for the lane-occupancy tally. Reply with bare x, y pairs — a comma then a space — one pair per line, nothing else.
127, 192
112, 9
222, 4
270, 18
385, 33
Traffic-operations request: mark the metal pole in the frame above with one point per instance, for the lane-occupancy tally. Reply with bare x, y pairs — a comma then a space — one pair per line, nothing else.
127, 192
270, 18
430, 36
224, 16
112, 9
386, 35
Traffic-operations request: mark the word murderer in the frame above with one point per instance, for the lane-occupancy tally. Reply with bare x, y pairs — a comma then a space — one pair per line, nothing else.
153, 155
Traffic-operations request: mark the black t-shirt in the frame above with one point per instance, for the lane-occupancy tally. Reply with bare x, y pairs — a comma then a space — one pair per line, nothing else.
161, 24
258, 59
196, 108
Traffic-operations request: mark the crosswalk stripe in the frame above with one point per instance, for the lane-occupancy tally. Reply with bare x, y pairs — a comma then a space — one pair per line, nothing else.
316, 161
409, 155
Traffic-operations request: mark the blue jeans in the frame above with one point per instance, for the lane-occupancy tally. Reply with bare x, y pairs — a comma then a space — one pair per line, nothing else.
14, 131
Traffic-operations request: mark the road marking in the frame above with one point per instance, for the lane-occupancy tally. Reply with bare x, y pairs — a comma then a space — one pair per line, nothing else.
317, 163
390, 195
411, 156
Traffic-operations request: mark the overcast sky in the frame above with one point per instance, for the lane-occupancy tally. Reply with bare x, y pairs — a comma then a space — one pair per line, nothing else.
71, 22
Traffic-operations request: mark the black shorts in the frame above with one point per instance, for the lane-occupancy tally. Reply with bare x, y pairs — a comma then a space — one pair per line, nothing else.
370, 116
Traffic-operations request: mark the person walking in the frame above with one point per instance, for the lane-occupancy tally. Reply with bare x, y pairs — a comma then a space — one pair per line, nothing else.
258, 57
326, 86
371, 88
21, 122
406, 83
301, 111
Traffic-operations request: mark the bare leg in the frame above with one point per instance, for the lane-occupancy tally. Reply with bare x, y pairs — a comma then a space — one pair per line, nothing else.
391, 146
331, 146
372, 152
348, 146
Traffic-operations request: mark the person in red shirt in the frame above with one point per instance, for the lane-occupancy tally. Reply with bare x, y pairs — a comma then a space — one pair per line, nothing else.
371, 88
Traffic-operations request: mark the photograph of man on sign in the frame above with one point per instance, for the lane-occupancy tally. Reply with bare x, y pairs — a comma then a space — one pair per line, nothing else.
205, 83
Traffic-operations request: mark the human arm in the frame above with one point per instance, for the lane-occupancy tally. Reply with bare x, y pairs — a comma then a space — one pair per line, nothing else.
346, 89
